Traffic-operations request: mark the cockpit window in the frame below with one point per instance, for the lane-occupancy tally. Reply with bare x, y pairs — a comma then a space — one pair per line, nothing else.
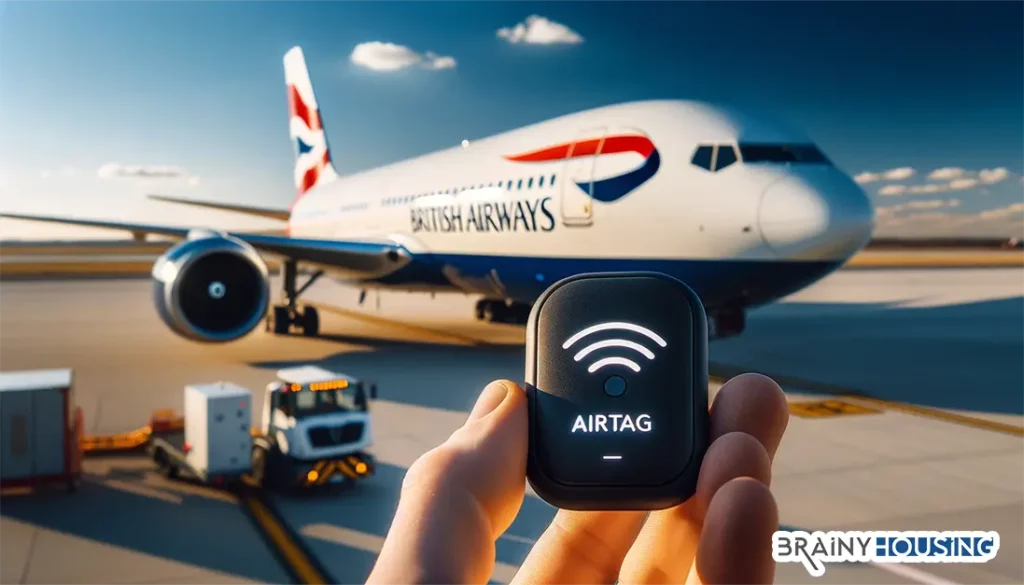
782, 153
702, 157
726, 156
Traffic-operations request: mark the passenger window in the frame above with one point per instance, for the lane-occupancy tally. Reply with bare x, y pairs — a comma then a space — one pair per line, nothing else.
702, 157
552, 180
509, 185
520, 184
540, 182
500, 183
529, 183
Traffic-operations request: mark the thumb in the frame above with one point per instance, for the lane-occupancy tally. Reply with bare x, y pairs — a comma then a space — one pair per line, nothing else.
459, 497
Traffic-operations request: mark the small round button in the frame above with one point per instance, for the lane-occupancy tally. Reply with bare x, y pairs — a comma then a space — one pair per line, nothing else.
615, 386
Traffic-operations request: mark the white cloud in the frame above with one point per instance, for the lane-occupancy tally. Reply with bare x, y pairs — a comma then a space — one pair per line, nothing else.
949, 178
963, 184
946, 174
934, 220
932, 204
115, 170
435, 61
892, 190
1013, 210
899, 174
389, 57
990, 176
866, 177
926, 204
928, 188
537, 30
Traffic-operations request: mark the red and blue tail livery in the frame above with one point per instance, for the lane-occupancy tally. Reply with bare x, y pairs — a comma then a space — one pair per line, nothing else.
612, 188
312, 156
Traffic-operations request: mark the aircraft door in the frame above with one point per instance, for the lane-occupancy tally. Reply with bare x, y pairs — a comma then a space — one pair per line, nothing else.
577, 177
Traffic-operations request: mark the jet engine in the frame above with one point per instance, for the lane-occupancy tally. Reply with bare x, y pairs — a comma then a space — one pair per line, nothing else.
211, 287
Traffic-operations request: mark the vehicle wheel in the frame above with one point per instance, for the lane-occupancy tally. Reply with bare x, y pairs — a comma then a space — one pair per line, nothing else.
259, 466
281, 320
164, 464
310, 322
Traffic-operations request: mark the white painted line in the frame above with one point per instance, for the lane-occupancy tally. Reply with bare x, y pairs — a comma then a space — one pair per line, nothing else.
916, 575
519, 539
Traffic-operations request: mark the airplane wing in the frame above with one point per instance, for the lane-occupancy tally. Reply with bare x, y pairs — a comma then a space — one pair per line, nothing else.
353, 258
281, 214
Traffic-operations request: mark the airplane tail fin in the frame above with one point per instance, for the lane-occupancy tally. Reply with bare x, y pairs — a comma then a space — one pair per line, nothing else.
313, 164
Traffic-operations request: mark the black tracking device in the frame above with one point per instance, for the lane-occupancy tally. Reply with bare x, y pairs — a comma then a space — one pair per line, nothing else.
617, 378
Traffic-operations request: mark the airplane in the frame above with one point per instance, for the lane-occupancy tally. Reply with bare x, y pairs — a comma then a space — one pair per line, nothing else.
742, 209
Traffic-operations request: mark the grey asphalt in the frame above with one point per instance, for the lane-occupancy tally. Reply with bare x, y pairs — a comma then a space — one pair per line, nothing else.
944, 339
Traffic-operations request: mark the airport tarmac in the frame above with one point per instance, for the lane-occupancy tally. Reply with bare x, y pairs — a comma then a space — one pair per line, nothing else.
943, 340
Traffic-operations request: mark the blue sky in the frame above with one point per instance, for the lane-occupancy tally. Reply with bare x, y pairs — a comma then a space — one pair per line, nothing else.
198, 86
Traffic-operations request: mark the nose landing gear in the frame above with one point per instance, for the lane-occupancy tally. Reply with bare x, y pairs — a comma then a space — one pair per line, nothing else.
726, 322
281, 318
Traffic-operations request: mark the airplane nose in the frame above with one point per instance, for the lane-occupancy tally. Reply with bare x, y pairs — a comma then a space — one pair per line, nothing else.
818, 216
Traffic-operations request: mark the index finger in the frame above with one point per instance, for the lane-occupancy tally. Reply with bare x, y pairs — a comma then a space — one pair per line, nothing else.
459, 497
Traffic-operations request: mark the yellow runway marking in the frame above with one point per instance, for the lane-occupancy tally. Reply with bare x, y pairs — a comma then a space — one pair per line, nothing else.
828, 409
939, 259
294, 556
88, 250
66, 268
951, 417
724, 372
463, 339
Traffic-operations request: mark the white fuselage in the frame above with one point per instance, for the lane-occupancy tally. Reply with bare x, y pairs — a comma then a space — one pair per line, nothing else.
456, 208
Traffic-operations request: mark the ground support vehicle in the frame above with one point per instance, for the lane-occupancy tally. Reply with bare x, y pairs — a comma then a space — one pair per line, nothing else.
41, 429
315, 430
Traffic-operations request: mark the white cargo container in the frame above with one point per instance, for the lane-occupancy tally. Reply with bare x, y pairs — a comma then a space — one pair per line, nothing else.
40, 429
218, 422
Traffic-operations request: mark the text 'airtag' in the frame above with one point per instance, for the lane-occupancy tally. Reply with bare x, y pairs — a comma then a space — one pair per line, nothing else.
612, 423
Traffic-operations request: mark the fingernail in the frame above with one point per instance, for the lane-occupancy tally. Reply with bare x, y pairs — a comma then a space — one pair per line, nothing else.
493, 395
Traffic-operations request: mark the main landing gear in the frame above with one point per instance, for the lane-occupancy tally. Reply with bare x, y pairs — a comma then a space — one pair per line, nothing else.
282, 318
498, 311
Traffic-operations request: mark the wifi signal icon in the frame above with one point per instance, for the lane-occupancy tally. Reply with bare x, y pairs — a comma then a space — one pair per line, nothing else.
625, 343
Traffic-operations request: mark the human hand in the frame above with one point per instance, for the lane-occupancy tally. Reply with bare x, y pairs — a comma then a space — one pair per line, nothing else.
458, 498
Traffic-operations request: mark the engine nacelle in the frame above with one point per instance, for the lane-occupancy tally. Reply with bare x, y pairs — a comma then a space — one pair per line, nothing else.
211, 287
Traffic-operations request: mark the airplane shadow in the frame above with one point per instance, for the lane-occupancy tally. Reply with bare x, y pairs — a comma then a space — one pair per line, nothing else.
196, 530
966, 356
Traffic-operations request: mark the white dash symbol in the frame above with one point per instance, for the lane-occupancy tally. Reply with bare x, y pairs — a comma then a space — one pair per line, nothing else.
613, 457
